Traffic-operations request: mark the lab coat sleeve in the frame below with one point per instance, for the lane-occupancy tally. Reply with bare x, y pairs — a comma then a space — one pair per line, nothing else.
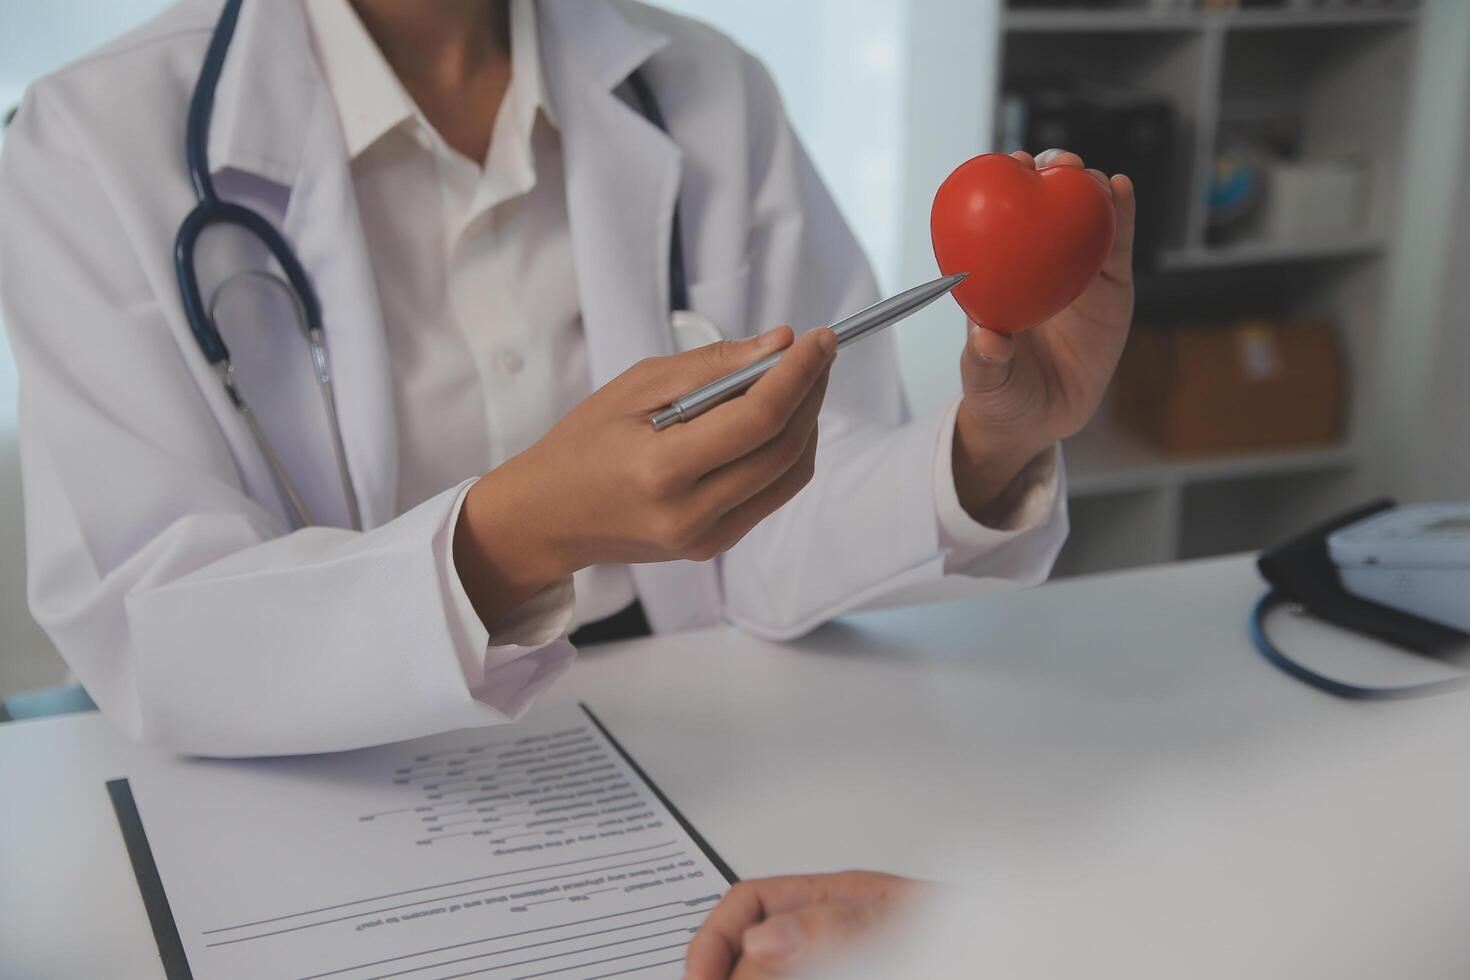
192, 615
1031, 513
539, 621
869, 522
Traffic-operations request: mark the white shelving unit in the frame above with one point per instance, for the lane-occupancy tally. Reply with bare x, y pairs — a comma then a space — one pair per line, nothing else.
1345, 75
1112, 17
1267, 253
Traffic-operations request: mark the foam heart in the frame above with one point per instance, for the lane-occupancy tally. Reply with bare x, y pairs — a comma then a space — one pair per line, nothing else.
1030, 239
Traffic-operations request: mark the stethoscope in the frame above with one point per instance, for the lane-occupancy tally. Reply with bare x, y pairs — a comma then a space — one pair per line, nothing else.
210, 211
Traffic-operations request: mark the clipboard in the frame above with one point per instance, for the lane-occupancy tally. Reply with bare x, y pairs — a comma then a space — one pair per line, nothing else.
155, 894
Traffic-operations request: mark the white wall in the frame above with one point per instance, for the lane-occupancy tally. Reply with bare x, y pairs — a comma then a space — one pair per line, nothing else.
1419, 409
839, 65
1446, 460
949, 100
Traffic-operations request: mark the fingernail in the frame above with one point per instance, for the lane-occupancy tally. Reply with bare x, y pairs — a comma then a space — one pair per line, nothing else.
974, 337
774, 941
827, 341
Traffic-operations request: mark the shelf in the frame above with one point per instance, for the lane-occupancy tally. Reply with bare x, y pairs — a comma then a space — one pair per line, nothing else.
1248, 20
1084, 21
1103, 459
1267, 253
1079, 21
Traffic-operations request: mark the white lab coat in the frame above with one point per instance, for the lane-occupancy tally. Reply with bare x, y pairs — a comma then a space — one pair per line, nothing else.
162, 557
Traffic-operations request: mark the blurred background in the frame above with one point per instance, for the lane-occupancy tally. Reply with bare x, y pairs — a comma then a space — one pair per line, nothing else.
1303, 328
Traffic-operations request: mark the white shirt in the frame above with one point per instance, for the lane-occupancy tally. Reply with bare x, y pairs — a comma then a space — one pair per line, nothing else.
477, 286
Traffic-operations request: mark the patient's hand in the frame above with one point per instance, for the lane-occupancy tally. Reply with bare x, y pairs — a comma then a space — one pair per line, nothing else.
774, 927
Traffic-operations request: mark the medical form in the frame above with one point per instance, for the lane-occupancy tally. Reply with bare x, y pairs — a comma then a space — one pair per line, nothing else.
530, 850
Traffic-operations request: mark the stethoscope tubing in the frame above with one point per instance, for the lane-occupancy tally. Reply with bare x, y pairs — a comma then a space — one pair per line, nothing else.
209, 212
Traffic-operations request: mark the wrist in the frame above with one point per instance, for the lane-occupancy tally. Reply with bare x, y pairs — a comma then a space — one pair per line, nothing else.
502, 550
986, 461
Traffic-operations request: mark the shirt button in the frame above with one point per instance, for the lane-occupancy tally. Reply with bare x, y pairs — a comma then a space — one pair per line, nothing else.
510, 361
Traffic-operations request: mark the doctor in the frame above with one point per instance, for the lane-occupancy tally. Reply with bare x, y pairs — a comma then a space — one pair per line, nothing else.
494, 222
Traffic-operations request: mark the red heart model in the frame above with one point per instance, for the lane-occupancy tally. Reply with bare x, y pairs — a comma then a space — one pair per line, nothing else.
1030, 239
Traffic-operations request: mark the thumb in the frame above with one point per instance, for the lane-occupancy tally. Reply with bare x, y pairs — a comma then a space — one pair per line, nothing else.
810, 934
1119, 264
987, 361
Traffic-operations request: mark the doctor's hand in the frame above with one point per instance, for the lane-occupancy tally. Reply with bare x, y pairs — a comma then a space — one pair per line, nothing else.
1022, 393
777, 927
602, 487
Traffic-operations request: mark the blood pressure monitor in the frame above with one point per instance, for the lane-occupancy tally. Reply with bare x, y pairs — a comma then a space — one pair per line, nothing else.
1414, 558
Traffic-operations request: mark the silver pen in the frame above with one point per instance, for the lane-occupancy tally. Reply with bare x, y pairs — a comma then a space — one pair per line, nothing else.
848, 331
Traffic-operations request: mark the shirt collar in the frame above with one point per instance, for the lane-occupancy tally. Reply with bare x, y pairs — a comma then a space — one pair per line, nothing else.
370, 99
528, 76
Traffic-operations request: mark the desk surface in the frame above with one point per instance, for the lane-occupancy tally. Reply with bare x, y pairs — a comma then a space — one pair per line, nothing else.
1023, 723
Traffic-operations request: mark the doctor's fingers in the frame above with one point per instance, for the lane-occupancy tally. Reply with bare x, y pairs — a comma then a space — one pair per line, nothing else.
1066, 158
733, 429
656, 381
1119, 265
1055, 157
737, 522
1118, 268
727, 487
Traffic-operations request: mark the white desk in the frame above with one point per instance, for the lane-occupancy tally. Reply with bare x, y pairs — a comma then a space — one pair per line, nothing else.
1035, 721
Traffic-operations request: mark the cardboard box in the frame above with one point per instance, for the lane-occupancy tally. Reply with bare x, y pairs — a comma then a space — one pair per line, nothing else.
1254, 384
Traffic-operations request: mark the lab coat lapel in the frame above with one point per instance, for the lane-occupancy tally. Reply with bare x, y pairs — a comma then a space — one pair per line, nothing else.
274, 118
322, 222
622, 178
